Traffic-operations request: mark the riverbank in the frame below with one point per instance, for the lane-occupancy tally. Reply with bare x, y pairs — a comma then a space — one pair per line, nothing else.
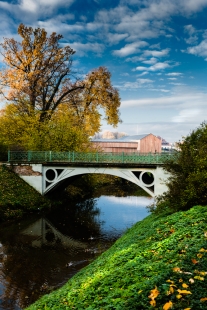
160, 263
17, 198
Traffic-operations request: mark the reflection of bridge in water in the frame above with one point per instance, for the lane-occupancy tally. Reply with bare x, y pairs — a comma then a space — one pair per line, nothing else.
47, 170
42, 232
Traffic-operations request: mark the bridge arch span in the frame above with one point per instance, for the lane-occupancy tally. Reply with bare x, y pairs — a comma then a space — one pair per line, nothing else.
146, 178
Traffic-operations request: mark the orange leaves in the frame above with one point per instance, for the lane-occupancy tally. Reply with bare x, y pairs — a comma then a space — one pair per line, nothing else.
176, 269
179, 296
153, 302
185, 292
168, 305
37, 75
153, 294
203, 299
194, 261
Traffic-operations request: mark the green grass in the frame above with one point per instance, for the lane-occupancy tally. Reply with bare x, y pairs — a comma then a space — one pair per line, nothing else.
17, 197
160, 263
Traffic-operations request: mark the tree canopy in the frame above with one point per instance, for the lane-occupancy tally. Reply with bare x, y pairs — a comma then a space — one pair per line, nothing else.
40, 84
188, 182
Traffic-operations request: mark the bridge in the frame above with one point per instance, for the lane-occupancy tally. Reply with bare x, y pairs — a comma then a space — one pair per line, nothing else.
45, 171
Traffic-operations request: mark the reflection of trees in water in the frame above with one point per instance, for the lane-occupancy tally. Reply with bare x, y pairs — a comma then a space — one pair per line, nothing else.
78, 221
33, 267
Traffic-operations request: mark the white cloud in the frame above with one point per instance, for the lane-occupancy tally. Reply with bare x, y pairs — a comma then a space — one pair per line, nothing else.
82, 48
140, 83
184, 99
151, 61
199, 50
189, 29
116, 37
38, 6
186, 115
135, 59
177, 84
162, 90
129, 49
174, 74
172, 79
159, 66
30, 11
143, 73
192, 32
140, 68
155, 53
192, 6
156, 67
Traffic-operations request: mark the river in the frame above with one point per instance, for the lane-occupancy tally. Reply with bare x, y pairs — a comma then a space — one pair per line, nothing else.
40, 253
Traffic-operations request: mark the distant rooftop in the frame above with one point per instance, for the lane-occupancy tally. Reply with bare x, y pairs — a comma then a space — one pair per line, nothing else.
135, 137
123, 139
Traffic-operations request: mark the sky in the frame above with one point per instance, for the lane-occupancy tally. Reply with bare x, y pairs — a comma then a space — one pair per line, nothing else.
156, 51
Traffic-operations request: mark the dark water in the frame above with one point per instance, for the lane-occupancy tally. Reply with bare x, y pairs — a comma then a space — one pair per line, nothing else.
40, 254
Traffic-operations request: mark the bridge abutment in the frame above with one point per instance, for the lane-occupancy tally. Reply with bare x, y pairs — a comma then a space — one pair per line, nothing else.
31, 174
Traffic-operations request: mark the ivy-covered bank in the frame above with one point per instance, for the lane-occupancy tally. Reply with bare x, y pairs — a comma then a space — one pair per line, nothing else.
160, 263
17, 197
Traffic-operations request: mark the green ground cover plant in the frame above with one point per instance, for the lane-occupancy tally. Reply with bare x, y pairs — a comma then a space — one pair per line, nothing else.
17, 197
160, 263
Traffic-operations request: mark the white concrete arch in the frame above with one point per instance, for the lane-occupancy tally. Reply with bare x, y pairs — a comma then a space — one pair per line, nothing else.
44, 178
55, 174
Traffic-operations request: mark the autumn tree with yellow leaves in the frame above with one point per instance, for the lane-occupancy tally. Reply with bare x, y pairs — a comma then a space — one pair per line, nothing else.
38, 80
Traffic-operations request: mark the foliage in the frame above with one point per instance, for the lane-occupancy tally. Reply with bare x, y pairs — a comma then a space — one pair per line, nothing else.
188, 182
17, 197
3, 152
57, 134
160, 263
38, 76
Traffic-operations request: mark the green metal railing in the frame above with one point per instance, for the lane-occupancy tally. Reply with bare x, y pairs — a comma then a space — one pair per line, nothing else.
74, 157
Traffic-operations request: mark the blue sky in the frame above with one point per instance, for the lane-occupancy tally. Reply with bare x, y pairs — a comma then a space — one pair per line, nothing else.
156, 51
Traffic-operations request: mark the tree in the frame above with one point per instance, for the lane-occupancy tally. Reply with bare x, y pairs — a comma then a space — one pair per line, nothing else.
188, 182
24, 131
38, 76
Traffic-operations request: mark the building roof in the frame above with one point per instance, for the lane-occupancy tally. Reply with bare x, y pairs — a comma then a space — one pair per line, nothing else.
123, 139
112, 140
135, 137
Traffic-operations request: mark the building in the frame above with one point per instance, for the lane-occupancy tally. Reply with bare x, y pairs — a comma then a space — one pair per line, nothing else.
146, 143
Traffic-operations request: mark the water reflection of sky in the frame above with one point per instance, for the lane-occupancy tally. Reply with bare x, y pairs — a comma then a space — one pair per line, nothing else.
119, 213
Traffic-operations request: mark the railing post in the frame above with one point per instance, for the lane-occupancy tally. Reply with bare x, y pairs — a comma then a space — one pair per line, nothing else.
50, 156
97, 157
29, 155
9, 156
69, 156
122, 157
73, 156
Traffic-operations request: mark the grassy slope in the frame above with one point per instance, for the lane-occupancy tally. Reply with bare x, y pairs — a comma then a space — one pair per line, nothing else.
161, 260
16, 196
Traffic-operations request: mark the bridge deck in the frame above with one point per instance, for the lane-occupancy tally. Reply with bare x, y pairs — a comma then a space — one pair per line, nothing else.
75, 158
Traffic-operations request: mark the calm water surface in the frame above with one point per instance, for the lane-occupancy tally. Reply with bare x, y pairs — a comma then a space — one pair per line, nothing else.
40, 254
